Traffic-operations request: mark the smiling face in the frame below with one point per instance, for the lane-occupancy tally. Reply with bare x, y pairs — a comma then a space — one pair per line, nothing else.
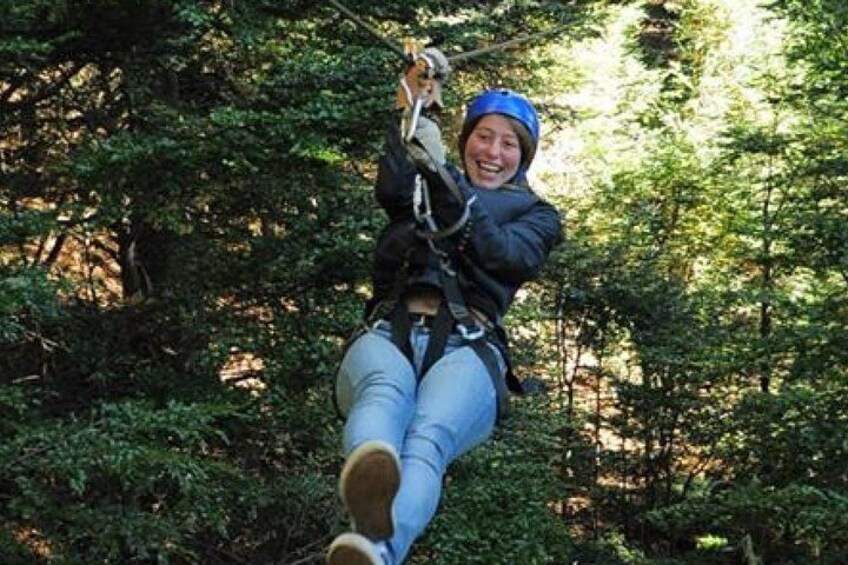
492, 152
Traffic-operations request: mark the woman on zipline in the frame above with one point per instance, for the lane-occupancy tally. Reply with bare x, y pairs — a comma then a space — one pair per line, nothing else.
428, 377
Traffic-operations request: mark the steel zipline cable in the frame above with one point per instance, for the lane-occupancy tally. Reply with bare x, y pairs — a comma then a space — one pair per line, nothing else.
361, 23
454, 58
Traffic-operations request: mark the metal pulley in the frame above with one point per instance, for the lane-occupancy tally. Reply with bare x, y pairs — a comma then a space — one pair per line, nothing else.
420, 85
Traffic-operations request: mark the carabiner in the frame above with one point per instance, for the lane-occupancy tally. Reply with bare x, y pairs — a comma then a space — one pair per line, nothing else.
409, 122
471, 334
414, 97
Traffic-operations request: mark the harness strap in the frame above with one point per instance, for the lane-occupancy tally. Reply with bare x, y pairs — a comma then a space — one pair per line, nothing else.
452, 313
484, 351
439, 335
467, 325
476, 335
442, 327
401, 327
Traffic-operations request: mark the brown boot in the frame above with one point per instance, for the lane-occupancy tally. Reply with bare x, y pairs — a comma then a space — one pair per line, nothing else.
368, 484
352, 549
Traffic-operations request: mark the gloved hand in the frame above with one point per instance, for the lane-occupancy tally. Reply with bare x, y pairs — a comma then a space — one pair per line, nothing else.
440, 64
426, 146
429, 71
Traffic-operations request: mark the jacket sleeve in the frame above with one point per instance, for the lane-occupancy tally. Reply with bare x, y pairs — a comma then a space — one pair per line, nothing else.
395, 182
511, 234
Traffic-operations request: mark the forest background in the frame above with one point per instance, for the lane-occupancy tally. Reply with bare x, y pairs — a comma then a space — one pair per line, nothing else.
185, 233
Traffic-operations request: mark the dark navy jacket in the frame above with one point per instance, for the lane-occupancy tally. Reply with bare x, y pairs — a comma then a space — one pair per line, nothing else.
505, 243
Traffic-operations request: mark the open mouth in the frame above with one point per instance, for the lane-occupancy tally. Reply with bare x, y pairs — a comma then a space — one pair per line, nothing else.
489, 168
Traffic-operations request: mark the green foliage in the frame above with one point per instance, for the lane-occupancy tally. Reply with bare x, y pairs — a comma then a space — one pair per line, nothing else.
185, 187
133, 481
28, 301
687, 276
199, 174
792, 524
497, 503
130, 480
793, 435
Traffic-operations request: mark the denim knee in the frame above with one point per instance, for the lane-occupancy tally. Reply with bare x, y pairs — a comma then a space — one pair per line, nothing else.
431, 445
372, 365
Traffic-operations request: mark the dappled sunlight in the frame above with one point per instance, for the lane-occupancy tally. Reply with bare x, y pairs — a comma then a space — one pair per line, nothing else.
243, 370
37, 542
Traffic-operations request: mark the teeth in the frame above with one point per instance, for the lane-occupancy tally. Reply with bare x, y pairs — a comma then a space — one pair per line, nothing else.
489, 168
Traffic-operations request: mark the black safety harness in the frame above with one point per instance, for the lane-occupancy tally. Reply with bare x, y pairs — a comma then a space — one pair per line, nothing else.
453, 316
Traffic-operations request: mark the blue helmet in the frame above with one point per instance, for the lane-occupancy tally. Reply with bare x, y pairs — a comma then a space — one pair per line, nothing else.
508, 103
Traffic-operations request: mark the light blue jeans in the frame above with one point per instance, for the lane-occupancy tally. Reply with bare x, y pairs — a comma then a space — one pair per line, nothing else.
430, 423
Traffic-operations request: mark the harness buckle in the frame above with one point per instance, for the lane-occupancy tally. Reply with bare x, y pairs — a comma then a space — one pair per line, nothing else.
421, 206
471, 333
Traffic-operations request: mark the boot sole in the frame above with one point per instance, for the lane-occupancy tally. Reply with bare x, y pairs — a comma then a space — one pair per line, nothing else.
368, 484
352, 549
